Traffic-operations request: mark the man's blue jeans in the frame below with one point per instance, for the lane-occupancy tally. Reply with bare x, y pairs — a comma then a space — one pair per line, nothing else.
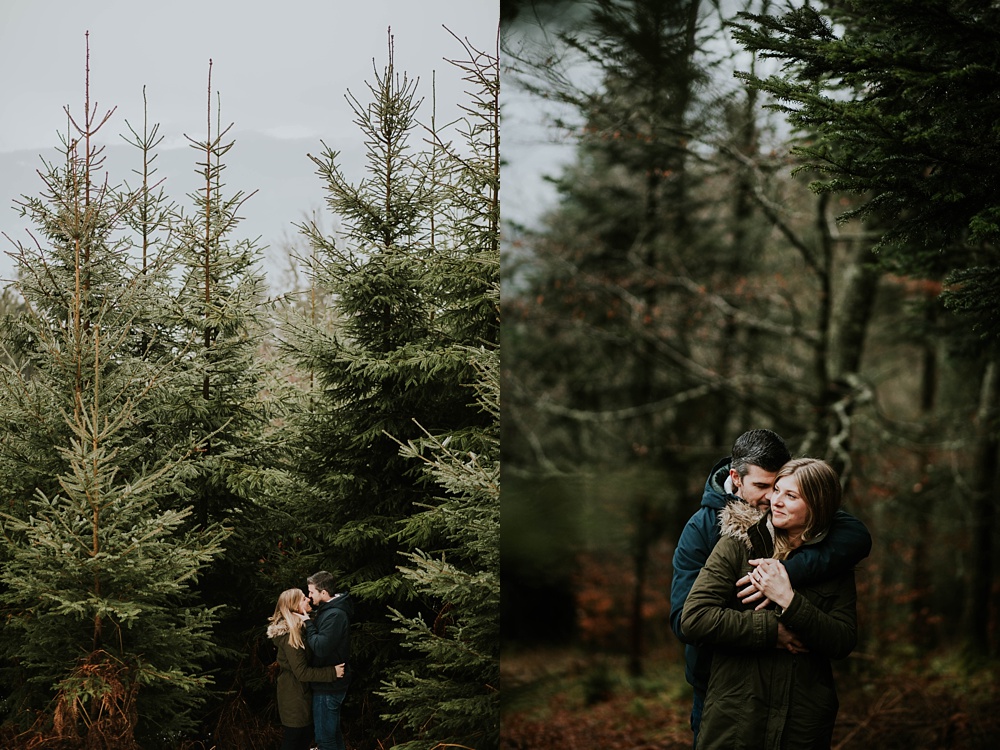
326, 720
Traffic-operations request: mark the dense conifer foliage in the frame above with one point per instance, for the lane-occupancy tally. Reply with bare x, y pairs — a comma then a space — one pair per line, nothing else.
894, 94
450, 695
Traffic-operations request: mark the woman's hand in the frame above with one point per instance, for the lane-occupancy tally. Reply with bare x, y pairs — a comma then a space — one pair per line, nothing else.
340, 671
771, 579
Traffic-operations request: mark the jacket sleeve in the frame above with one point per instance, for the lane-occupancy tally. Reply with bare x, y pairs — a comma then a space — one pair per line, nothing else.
831, 630
696, 542
298, 665
324, 636
846, 544
709, 617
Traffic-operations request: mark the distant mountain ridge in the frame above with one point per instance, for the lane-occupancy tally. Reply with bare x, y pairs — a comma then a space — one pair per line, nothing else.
288, 190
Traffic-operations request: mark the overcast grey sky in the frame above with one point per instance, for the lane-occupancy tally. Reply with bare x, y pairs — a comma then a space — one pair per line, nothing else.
280, 70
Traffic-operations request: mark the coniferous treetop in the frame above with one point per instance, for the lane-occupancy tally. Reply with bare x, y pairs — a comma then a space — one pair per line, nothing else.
889, 99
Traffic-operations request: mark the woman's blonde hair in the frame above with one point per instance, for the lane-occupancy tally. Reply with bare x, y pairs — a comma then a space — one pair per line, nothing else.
820, 487
286, 609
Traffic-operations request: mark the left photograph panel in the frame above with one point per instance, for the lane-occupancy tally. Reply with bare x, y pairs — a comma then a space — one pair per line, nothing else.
249, 375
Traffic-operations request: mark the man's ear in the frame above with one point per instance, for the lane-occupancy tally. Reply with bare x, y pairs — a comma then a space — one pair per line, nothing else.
735, 476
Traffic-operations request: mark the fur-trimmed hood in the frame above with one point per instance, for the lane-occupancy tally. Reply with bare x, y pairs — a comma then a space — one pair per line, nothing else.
278, 628
753, 528
736, 520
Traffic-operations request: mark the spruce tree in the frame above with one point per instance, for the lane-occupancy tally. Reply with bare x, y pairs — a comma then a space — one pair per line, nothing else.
226, 396
449, 694
608, 276
219, 317
396, 364
101, 631
620, 359
150, 214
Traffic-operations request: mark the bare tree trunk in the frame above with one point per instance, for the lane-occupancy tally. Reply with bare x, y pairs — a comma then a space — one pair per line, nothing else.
984, 510
651, 522
922, 499
849, 329
640, 559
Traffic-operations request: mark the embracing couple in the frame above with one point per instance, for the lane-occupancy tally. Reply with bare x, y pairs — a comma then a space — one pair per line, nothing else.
764, 597
312, 635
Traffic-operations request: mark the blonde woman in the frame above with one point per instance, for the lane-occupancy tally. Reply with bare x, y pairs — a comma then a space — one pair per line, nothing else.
286, 629
760, 695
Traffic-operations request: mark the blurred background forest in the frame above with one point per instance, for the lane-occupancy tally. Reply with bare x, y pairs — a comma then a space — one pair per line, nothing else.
711, 264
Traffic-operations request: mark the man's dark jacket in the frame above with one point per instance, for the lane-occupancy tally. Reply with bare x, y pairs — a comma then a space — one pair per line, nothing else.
328, 636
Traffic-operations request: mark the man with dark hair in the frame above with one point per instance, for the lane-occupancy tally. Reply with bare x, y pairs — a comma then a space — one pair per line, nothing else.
747, 475
328, 635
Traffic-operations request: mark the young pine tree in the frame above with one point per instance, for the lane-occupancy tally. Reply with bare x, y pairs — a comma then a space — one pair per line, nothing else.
100, 634
226, 398
219, 317
398, 362
449, 694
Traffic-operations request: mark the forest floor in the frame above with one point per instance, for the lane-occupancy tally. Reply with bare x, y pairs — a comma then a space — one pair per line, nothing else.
564, 699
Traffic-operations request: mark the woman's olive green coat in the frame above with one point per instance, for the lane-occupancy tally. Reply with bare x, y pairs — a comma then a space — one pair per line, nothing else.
294, 695
760, 696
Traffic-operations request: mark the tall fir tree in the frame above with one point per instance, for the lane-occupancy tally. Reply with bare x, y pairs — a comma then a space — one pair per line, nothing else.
396, 364
619, 361
450, 696
227, 396
219, 317
633, 224
101, 632
150, 214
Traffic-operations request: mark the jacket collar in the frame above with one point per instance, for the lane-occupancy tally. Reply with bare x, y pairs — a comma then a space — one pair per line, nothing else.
717, 492
812, 540
753, 528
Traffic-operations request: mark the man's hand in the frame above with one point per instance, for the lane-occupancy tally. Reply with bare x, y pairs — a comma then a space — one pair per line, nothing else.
751, 593
789, 641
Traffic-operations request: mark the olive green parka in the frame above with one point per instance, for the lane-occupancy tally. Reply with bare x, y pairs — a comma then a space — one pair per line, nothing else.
760, 696
294, 695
